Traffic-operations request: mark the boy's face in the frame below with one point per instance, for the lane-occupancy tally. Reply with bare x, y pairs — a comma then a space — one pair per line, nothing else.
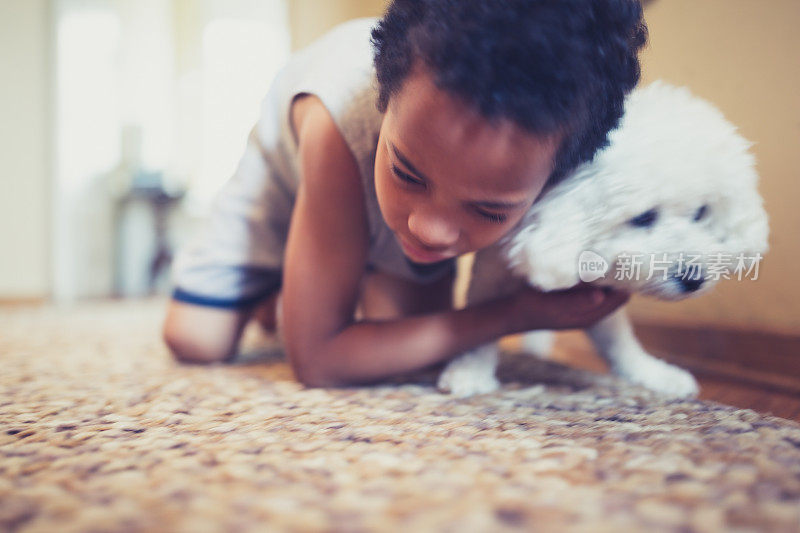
449, 181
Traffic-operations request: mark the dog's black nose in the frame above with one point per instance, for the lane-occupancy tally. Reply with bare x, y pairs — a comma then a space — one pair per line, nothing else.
690, 284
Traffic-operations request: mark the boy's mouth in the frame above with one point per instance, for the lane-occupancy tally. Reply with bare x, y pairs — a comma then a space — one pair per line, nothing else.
421, 255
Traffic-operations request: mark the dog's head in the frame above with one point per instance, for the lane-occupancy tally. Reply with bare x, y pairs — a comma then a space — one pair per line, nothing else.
671, 198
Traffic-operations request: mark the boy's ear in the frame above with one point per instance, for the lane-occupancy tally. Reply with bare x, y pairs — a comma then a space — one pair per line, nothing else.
545, 248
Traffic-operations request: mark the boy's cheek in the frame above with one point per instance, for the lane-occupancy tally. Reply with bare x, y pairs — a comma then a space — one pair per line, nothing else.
488, 236
388, 202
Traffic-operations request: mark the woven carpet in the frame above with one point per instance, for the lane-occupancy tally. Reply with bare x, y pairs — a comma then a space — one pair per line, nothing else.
102, 431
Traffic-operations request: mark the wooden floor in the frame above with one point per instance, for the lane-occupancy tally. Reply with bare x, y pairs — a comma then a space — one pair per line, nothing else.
753, 371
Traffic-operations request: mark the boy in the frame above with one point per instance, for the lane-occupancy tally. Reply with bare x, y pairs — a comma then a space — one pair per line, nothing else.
340, 203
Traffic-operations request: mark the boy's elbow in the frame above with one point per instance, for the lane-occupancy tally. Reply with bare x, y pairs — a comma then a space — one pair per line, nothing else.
310, 369
314, 379
187, 347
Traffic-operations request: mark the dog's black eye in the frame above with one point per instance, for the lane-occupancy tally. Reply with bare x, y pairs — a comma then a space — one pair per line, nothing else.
701, 212
645, 219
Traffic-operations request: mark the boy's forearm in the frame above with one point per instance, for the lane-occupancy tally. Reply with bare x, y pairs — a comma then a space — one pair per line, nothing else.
373, 350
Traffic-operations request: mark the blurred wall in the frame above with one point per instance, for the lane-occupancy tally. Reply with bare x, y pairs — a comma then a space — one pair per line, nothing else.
743, 56
24, 149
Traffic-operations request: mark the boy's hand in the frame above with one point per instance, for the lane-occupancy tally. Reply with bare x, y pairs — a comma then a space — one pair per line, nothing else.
576, 308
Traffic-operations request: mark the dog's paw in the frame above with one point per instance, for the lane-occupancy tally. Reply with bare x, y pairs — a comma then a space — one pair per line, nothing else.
463, 382
471, 373
538, 343
661, 377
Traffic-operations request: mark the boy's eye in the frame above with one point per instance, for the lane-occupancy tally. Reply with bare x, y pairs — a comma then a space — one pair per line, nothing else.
494, 217
406, 177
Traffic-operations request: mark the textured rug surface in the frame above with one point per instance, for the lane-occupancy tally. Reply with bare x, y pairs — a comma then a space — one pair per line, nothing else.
102, 431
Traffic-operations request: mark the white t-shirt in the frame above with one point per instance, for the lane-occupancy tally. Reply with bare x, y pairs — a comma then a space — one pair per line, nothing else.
237, 259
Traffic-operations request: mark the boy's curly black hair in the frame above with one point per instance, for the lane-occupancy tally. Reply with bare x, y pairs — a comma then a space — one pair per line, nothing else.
551, 66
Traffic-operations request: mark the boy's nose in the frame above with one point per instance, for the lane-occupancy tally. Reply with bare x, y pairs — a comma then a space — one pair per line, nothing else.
432, 231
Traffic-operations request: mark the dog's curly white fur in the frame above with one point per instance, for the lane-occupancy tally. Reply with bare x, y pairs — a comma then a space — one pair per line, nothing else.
675, 179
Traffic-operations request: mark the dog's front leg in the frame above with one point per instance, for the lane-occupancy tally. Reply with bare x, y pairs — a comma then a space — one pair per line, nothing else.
471, 373
615, 341
474, 372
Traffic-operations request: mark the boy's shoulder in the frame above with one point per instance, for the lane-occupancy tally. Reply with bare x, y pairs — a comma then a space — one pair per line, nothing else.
338, 70
344, 48
326, 158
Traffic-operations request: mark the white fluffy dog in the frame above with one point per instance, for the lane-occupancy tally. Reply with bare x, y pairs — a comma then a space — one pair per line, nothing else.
675, 181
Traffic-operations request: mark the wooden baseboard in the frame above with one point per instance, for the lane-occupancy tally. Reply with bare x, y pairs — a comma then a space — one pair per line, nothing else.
751, 370
758, 359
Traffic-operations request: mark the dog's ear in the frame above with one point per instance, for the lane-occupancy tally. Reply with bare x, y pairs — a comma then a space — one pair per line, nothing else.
545, 248
750, 226
746, 224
